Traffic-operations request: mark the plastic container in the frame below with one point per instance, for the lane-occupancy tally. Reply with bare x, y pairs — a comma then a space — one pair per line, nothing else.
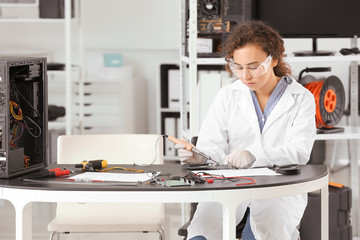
113, 60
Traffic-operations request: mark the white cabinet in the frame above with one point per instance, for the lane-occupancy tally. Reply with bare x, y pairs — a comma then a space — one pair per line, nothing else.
111, 105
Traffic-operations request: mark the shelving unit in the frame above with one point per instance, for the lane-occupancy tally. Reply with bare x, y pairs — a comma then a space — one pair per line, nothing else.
169, 94
169, 112
54, 75
189, 68
70, 71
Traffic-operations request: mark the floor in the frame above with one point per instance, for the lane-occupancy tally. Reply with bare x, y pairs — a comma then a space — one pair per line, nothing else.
44, 212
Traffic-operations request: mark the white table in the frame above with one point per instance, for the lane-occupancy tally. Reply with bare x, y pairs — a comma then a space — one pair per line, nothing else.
313, 177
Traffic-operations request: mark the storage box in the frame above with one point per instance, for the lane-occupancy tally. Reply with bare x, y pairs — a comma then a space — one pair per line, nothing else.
54, 8
113, 60
339, 215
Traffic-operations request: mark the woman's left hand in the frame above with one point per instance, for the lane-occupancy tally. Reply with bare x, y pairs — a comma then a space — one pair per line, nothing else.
240, 159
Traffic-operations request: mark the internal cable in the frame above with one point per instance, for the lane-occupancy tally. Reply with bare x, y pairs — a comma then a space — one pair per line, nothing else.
31, 106
19, 115
28, 128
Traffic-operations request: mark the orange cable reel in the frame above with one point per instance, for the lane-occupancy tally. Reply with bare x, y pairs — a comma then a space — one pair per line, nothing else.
329, 97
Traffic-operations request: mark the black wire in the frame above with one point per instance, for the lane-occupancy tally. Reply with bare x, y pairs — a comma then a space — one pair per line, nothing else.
348, 51
220, 177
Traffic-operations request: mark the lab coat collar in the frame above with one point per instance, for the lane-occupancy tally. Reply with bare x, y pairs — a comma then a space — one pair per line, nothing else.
286, 102
239, 89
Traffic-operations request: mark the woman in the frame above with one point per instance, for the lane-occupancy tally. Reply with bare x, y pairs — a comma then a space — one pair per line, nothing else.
263, 118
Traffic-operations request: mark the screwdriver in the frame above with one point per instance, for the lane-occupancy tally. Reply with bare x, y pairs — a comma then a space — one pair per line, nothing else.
58, 172
91, 166
189, 147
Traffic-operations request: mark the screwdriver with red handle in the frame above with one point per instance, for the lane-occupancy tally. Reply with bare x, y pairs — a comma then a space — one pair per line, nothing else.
43, 173
189, 147
56, 172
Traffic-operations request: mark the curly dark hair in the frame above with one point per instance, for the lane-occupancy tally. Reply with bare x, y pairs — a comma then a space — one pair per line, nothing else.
264, 36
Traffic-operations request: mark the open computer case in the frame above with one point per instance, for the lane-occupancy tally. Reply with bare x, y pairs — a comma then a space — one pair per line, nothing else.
23, 115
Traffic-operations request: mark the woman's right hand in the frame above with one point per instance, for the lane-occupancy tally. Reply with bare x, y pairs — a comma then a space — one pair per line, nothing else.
187, 156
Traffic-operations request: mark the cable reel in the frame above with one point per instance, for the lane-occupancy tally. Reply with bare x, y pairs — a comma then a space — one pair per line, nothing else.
329, 96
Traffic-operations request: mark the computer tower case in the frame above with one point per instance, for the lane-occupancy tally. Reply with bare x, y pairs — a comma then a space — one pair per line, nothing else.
23, 115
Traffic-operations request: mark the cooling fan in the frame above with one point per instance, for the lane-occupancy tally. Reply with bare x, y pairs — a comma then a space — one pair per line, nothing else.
209, 9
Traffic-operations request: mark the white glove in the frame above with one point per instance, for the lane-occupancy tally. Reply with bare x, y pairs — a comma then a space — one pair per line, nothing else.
187, 156
240, 159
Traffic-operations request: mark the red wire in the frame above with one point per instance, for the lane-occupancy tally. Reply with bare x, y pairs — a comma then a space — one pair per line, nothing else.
252, 181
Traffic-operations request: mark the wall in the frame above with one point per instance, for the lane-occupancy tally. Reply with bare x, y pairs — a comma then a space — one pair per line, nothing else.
145, 32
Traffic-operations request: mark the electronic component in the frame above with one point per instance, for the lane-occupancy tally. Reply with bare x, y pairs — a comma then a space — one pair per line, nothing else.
175, 183
216, 20
23, 115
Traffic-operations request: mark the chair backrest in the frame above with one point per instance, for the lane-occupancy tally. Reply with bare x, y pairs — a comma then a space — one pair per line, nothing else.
115, 148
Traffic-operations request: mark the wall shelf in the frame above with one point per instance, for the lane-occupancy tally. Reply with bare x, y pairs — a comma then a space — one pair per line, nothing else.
288, 59
350, 133
36, 20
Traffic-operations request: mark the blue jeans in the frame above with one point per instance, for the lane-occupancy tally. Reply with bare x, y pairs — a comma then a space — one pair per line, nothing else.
247, 233
198, 238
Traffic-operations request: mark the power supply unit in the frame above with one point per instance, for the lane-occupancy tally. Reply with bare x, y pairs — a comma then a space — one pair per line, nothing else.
23, 115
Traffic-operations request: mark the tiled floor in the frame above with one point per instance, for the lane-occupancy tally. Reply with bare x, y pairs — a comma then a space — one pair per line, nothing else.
44, 212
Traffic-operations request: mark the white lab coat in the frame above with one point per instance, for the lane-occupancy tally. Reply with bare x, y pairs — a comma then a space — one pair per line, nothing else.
287, 138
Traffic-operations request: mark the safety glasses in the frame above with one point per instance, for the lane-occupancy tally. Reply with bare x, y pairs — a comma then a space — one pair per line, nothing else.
253, 70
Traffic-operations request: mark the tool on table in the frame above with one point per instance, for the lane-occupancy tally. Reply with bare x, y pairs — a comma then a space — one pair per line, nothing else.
292, 169
190, 147
101, 166
56, 172
44, 173
91, 166
71, 171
